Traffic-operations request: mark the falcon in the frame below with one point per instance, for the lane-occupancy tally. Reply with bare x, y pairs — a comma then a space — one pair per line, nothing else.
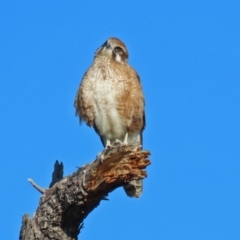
110, 99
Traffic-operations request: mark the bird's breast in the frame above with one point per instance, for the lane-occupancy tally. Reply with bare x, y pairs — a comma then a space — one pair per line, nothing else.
108, 120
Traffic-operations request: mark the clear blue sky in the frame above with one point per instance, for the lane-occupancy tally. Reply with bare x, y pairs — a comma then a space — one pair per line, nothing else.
187, 54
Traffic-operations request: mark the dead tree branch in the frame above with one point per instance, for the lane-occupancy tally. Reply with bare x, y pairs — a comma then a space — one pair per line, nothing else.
65, 205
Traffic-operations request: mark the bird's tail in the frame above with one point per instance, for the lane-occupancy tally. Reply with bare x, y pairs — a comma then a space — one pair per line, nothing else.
134, 188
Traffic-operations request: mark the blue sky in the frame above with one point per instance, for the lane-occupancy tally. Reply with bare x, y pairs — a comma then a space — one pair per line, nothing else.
187, 54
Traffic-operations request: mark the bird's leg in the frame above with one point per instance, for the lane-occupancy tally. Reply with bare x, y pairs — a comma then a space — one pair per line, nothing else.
108, 144
126, 139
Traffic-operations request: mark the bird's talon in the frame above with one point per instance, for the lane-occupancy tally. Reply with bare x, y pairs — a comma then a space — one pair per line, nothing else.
109, 147
118, 142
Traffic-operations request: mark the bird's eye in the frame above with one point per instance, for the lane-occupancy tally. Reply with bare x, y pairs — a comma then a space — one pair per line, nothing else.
118, 50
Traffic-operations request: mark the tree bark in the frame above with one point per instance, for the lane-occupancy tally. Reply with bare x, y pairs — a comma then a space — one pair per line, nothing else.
67, 202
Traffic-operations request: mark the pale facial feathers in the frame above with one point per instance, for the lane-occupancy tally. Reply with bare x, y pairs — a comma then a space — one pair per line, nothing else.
115, 49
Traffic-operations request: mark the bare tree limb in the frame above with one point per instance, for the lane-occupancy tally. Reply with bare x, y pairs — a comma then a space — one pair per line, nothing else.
64, 206
40, 189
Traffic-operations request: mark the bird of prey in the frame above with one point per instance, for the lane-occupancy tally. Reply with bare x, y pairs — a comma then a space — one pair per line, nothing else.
110, 99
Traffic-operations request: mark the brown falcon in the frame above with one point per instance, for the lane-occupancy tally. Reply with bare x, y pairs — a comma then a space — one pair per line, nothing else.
110, 99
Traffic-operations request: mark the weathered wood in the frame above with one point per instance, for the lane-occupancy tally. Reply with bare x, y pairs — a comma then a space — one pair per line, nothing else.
57, 174
64, 206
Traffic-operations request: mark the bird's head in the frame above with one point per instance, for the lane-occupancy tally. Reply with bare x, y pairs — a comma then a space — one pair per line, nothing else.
115, 49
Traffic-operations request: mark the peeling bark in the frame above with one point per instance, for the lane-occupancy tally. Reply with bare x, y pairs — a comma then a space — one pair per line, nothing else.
65, 205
